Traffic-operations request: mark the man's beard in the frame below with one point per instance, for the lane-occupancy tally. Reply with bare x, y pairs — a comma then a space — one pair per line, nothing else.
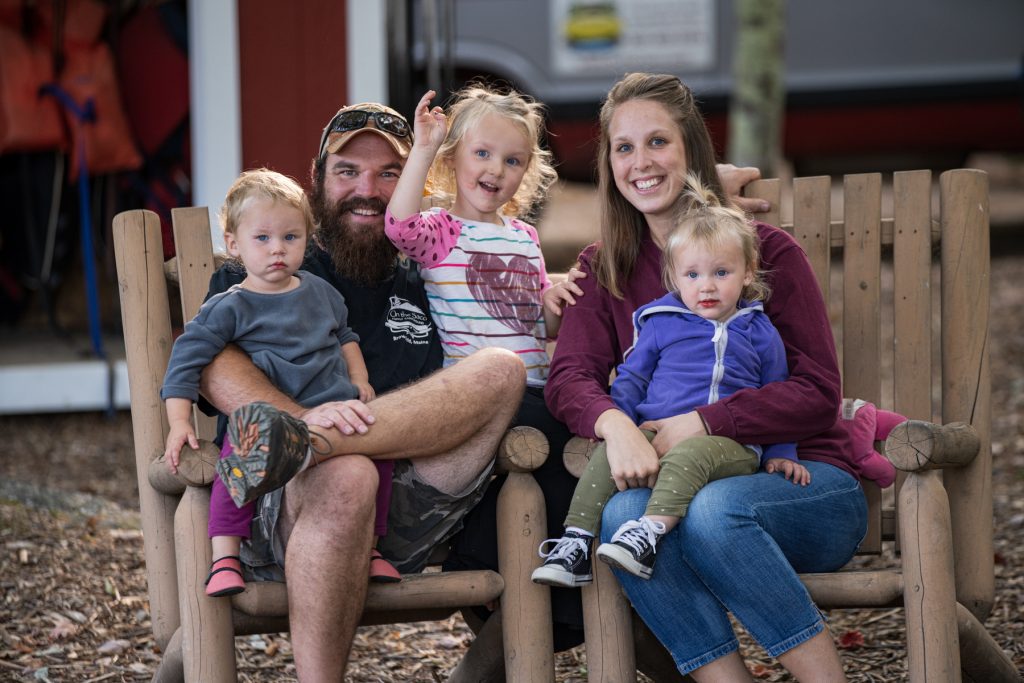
361, 253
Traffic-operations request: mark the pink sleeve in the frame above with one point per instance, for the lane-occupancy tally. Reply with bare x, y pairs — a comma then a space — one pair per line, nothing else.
427, 237
545, 281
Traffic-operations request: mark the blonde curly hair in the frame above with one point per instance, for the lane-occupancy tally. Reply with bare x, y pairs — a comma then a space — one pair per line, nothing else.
471, 104
262, 183
704, 222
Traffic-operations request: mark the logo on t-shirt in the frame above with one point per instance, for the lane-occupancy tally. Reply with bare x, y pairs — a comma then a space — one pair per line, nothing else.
407, 321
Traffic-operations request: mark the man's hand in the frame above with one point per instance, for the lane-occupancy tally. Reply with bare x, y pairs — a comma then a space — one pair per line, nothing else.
794, 471
673, 430
734, 179
348, 417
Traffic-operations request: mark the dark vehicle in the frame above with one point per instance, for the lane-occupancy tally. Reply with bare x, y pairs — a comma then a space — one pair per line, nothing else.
873, 83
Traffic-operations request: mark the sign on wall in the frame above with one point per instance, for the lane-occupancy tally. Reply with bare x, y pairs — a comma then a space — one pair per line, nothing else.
608, 37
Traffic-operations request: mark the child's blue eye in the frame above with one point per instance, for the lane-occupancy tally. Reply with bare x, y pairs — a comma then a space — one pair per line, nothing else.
692, 275
482, 153
262, 238
721, 272
291, 238
512, 162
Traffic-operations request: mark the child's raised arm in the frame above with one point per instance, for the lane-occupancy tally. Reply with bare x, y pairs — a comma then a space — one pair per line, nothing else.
430, 127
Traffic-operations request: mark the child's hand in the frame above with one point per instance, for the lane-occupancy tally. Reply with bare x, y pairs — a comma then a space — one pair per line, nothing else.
793, 470
430, 126
177, 436
564, 293
366, 392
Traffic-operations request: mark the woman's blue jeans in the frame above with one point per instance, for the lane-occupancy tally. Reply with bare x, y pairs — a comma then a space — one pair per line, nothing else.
739, 550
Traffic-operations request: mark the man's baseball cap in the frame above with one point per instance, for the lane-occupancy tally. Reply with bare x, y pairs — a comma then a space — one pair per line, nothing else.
367, 117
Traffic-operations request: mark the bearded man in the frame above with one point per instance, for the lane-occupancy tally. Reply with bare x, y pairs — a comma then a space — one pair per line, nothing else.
441, 431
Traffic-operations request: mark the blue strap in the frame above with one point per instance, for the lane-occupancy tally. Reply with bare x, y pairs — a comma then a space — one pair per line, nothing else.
85, 114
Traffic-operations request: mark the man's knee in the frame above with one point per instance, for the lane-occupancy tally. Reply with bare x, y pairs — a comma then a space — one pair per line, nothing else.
501, 369
348, 482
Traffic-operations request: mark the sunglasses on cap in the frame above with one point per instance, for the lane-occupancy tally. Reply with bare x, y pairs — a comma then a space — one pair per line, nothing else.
355, 119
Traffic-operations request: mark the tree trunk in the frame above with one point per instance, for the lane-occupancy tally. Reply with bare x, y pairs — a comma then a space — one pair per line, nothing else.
758, 98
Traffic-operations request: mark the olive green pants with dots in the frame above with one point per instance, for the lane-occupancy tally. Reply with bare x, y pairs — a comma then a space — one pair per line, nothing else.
690, 465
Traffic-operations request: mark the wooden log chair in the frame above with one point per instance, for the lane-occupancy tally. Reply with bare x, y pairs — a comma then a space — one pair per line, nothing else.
195, 632
942, 519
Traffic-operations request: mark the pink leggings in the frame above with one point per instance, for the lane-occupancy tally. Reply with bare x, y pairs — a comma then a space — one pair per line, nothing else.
228, 520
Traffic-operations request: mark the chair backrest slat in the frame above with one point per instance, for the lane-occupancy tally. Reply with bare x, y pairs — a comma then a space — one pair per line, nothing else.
912, 295
194, 248
812, 223
194, 251
770, 189
862, 337
966, 379
145, 317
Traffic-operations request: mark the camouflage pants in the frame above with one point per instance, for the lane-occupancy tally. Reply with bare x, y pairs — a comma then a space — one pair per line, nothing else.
420, 518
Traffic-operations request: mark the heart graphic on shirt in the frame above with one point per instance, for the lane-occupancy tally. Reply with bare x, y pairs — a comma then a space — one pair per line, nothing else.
507, 291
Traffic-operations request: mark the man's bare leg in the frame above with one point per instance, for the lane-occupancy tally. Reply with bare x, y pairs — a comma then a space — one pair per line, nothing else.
327, 524
456, 415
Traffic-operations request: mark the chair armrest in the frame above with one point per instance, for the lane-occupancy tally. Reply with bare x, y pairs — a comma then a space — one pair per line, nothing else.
577, 454
916, 446
195, 468
522, 449
912, 446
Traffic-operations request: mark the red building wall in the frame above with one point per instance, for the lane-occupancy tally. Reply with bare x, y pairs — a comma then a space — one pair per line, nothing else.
293, 69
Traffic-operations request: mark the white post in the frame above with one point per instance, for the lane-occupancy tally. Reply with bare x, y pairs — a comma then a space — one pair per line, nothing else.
216, 117
366, 42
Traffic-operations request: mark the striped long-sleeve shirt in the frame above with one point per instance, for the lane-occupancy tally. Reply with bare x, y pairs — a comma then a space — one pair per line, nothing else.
484, 282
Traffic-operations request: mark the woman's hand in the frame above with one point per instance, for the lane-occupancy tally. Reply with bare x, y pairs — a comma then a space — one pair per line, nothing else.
734, 179
673, 430
632, 459
348, 417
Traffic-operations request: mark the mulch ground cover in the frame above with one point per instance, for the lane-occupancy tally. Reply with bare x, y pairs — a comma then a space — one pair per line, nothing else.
74, 604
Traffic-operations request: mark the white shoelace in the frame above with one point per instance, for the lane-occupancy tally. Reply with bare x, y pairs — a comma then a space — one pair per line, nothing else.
564, 548
634, 532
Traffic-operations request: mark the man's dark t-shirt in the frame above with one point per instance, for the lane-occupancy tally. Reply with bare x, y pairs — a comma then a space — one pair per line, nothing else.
396, 334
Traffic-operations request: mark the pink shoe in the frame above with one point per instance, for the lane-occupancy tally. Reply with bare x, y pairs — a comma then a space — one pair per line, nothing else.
867, 424
382, 571
225, 577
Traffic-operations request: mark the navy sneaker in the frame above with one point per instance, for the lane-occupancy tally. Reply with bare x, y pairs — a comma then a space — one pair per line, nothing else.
633, 546
567, 564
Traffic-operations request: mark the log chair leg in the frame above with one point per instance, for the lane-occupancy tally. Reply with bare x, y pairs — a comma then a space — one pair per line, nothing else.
608, 624
525, 606
981, 657
207, 634
171, 668
483, 662
929, 593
